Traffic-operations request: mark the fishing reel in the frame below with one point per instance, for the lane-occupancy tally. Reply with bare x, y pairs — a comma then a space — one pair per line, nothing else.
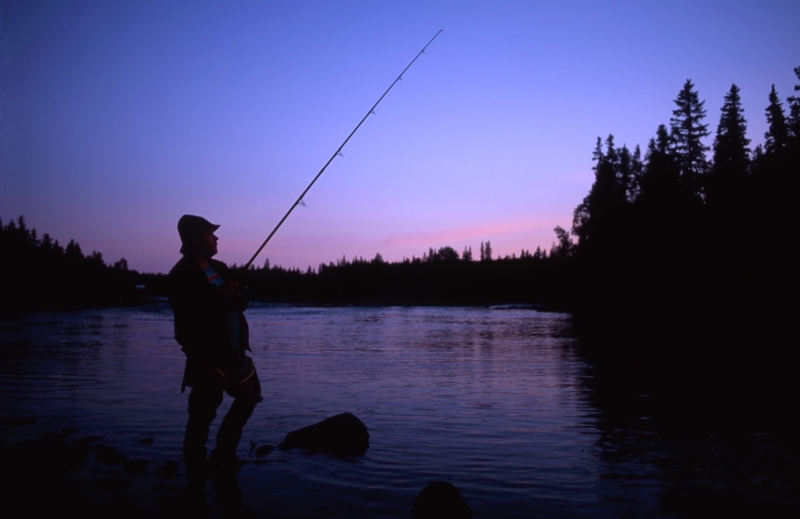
246, 292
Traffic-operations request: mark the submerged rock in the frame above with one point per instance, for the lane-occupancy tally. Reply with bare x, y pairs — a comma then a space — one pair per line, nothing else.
440, 500
109, 456
83, 446
135, 467
264, 450
343, 434
168, 470
111, 485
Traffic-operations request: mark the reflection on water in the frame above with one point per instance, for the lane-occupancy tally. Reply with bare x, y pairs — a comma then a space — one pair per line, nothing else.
495, 401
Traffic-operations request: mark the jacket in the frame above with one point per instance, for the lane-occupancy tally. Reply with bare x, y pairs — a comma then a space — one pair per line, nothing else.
201, 310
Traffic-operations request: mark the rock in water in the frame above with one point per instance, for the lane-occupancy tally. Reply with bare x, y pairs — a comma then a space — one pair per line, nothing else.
440, 500
264, 450
109, 456
168, 470
343, 434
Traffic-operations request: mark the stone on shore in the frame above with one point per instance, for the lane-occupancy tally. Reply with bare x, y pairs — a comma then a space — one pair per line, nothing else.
342, 434
440, 500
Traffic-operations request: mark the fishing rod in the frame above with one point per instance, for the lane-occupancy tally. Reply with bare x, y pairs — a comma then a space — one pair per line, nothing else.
371, 111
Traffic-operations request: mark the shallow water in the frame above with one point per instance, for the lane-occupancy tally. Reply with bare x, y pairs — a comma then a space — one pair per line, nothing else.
495, 401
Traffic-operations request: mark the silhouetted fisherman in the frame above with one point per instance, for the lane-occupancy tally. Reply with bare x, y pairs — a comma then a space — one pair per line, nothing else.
211, 328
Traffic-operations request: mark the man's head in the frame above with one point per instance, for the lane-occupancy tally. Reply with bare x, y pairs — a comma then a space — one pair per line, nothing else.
197, 236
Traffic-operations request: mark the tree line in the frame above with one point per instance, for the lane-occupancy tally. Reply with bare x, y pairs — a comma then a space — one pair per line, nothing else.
41, 274
439, 277
677, 232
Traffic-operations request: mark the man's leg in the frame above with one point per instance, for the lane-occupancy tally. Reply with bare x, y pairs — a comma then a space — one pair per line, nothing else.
230, 430
204, 399
246, 395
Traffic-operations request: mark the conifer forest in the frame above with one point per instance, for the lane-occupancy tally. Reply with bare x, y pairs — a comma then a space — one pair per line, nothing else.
677, 244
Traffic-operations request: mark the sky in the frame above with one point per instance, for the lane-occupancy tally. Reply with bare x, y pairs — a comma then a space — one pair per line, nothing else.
118, 117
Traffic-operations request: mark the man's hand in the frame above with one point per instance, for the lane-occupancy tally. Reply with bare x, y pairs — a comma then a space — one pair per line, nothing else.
229, 288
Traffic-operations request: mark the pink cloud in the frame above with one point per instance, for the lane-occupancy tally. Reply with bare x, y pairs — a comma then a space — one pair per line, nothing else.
473, 233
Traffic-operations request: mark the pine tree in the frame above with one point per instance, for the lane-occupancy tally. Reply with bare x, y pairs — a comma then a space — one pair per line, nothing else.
605, 194
778, 133
730, 143
624, 171
660, 177
731, 154
794, 113
637, 172
687, 132
789, 169
73, 251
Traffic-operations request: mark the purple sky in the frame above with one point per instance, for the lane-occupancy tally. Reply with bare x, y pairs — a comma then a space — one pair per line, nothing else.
117, 117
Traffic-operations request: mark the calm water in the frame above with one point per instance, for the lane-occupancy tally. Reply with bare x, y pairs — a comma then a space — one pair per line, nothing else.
496, 401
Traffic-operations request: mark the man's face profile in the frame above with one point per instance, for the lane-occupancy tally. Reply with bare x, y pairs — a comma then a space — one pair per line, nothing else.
207, 244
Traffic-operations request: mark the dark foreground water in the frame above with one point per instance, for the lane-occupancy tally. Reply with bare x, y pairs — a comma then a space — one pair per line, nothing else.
496, 401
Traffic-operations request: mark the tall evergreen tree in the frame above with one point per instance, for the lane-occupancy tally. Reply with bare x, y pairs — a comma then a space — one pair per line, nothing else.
687, 132
605, 194
789, 168
624, 170
660, 177
637, 172
731, 154
73, 251
778, 133
794, 113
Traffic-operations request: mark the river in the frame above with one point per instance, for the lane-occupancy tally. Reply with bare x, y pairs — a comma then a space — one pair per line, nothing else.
497, 401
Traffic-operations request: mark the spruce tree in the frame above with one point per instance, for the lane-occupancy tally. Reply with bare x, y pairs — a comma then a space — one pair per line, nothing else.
778, 133
660, 175
624, 170
731, 154
604, 196
794, 113
792, 163
687, 132
789, 169
637, 172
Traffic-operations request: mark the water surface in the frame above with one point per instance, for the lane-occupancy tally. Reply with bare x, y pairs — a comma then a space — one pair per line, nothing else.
495, 401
